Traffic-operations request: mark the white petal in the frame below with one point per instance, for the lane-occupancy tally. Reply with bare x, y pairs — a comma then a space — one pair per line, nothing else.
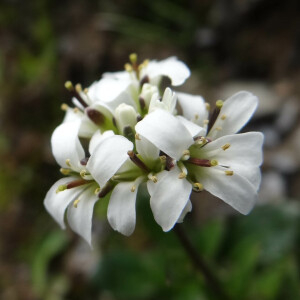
175, 69
146, 149
235, 190
108, 157
121, 208
97, 138
236, 112
187, 209
108, 88
80, 217
193, 128
193, 108
56, 203
66, 145
169, 199
87, 127
244, 149
166, 132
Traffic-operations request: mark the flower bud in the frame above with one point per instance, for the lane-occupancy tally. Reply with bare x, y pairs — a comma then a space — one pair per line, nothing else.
126, 116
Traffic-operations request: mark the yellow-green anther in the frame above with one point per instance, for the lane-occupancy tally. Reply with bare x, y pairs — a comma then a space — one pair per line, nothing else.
229, 173
133, 58
69, 85
219, 104
61, 188
198, 187
68, 162
128, 67
64, 107
65, 171
152, 177
97, 191
226, 146
214, 162
75, 203
185, 155
78, 88
223, 117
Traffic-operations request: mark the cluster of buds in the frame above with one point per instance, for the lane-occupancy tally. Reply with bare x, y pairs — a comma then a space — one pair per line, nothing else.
136, 139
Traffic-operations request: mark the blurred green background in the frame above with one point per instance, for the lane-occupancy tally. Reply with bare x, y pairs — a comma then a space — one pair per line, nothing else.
229, 45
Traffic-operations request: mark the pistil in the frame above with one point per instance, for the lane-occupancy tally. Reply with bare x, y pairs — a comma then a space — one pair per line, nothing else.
137, 161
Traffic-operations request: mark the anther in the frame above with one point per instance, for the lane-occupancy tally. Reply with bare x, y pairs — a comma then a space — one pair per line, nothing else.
75, 92
97, 190
69, 85
65, 171
83, 173
78, 88
133, 188
64, 107
219, 104
229, 173
223, 117
214, 162
152, 177
137, 161
128, 67
75, 203
137, 137
68, 162
61, 188
225, 147
214, 115
219, 128
86, 90
185, 155
205, 122
133, 58
182, 175
207, 106
197, 187
202, 162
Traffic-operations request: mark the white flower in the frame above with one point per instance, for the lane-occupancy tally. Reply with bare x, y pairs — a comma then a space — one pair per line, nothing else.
227, 167
229, 116
76, 193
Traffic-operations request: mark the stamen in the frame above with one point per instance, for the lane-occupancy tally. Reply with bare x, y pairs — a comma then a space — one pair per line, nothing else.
75, 110
214, 162
97, 190
74, 92
78, 88
163, 160
183, 169
202, 162
128, 67
152, 177
75, 203
225, 147
86, 90
61, 188
133, 188
68, 162
207, 106
198, 187
229, 173
64, 107
214, 115
219, 128
65, 171
186, 155
205, 122
137, 137
223, 117
77, 183
196, 117
133, 58
137, 161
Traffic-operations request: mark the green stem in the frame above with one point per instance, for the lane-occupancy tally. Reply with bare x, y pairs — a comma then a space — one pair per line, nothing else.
200, 264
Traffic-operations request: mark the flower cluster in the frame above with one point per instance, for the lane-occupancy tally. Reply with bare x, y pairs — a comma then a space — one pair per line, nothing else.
136, 137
